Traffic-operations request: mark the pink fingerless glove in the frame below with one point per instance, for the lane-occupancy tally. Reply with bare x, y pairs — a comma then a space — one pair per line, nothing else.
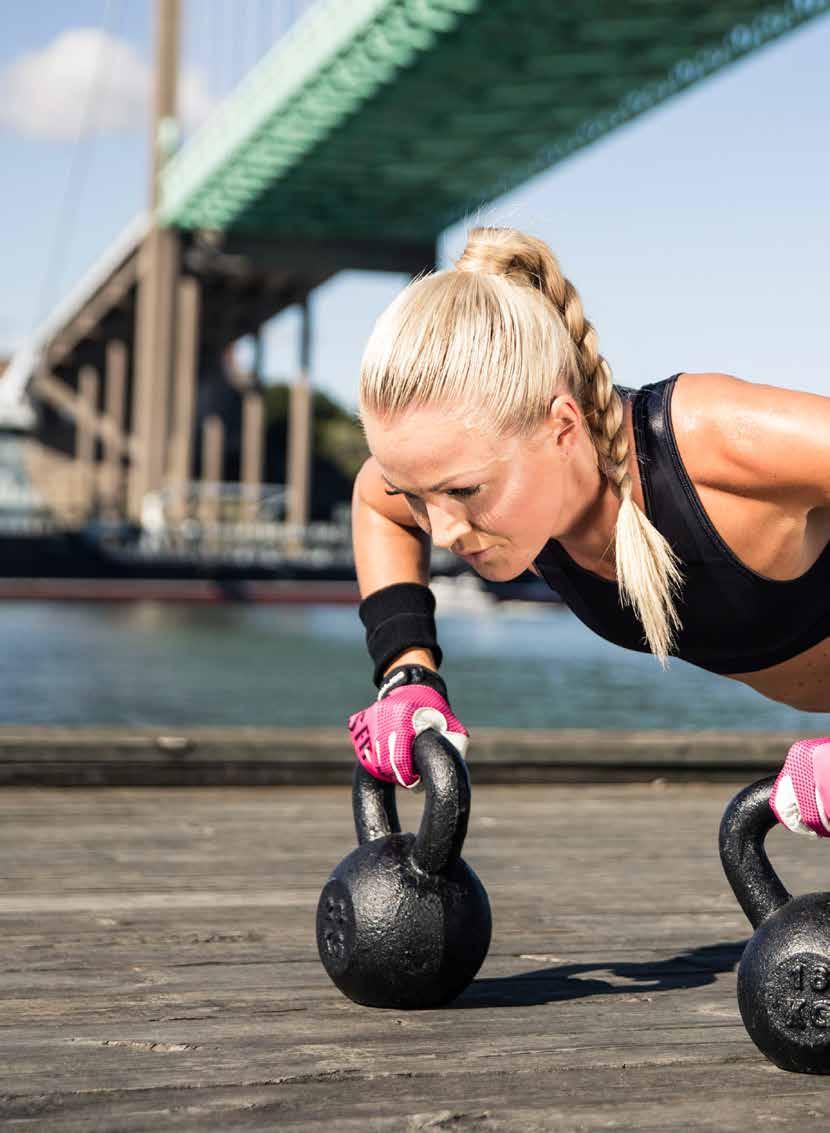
382, 734
801, 794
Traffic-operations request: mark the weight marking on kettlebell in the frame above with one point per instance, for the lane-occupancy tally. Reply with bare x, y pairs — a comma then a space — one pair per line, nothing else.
335, 926
335, 943
811, 977
820, 1015
795, 1016
791, 995
336, 911
820, 978
802, 1015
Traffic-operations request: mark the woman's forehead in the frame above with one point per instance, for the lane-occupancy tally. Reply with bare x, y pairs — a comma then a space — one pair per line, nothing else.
444, 423
427, 433
425, 448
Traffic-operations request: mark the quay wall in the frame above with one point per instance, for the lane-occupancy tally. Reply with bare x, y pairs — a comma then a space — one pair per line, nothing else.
238, 756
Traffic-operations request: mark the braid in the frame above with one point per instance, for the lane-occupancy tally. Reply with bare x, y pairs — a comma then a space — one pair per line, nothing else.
595, 391
648, 570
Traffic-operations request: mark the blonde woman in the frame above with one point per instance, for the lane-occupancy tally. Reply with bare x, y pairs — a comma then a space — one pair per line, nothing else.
689, 518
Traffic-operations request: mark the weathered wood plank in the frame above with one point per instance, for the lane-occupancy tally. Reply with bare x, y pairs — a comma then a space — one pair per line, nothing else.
124, 757
159, 969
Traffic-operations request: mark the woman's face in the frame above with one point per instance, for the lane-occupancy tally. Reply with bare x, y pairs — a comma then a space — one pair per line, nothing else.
493, 501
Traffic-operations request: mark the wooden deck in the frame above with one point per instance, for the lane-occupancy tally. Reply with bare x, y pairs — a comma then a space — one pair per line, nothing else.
159, 969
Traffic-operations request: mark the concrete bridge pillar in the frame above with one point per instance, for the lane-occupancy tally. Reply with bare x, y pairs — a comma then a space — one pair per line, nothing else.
158, 272
184, 395
298, 456
85, 435
213, 453
154, 323
111, 480
253, 420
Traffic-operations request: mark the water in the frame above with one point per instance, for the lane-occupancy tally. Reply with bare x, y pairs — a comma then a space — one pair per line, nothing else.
177, 665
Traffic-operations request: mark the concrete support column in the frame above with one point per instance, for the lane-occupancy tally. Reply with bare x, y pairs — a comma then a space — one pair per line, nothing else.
184, 395
298, 457
155, 314
85, 434
112, 481
253, 420
158, 269
213, 446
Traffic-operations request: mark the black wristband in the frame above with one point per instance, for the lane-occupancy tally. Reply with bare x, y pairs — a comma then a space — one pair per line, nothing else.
397, 618
412, 675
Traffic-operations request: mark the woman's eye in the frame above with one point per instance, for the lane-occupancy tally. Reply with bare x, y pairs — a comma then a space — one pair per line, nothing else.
406, 495
459, 493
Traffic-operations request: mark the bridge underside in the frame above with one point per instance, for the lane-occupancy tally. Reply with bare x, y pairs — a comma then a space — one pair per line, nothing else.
94, 428
420, 111
242, 283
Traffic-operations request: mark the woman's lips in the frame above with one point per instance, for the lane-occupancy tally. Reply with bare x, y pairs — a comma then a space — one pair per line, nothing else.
475, 556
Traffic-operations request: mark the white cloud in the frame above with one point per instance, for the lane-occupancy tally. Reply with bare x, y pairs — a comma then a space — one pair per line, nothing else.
195, 103
44, 94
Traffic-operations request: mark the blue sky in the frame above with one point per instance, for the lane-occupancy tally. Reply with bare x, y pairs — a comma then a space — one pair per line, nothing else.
698, 235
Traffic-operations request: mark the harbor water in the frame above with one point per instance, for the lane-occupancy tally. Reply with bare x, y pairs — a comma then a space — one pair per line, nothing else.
509, 665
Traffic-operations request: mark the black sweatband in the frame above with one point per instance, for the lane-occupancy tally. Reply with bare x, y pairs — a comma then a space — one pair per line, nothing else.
397, 618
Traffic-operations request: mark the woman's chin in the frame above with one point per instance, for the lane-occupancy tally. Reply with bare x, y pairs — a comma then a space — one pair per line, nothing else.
498, 571
495, 565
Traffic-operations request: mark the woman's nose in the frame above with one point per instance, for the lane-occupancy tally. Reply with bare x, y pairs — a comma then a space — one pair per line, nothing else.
446, 529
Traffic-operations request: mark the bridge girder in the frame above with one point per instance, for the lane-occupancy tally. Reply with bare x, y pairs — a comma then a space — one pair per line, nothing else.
395, 118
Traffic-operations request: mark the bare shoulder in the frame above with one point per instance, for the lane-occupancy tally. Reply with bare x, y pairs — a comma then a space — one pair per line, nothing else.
754, 440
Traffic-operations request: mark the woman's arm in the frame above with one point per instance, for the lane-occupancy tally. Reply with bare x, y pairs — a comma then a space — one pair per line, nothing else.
388, 549
388, 546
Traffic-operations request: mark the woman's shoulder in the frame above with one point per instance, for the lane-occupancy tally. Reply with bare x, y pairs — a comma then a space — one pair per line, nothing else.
749, 439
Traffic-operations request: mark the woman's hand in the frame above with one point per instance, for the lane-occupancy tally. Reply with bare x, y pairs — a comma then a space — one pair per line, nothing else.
411, 699
801, 794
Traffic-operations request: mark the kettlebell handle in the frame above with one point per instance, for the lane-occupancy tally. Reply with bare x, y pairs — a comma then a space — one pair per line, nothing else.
373, 806
744, 826
446, 807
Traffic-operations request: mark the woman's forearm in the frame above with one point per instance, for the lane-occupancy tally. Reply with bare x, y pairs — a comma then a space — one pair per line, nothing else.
387, 550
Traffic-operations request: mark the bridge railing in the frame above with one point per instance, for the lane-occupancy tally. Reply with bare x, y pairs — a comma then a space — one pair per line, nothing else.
246, 524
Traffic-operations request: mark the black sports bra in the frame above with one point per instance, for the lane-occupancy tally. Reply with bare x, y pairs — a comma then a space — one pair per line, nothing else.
733, 619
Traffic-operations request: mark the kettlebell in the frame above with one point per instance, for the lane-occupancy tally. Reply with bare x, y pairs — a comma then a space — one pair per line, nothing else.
403, 921
784, 974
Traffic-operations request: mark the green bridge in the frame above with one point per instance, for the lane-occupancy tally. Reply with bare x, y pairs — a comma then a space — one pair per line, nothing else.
394, 118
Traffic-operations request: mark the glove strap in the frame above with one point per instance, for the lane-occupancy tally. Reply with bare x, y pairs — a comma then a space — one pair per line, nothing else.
412, 675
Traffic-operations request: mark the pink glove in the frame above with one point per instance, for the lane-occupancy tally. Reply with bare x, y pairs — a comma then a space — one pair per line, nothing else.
801, 794
382, 734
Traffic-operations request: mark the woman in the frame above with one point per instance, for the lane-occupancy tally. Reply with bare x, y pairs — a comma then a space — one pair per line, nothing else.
691, 517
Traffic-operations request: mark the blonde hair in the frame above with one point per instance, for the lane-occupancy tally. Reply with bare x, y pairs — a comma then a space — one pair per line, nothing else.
499, 333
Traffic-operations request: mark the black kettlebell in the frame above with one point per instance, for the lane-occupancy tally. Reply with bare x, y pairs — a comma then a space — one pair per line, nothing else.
784, 975
403, 921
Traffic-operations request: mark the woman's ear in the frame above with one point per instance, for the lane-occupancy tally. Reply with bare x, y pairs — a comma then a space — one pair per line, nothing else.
563, 420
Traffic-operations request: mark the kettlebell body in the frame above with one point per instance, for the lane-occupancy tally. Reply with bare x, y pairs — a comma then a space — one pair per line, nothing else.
784, 974
403, 921
784, 985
